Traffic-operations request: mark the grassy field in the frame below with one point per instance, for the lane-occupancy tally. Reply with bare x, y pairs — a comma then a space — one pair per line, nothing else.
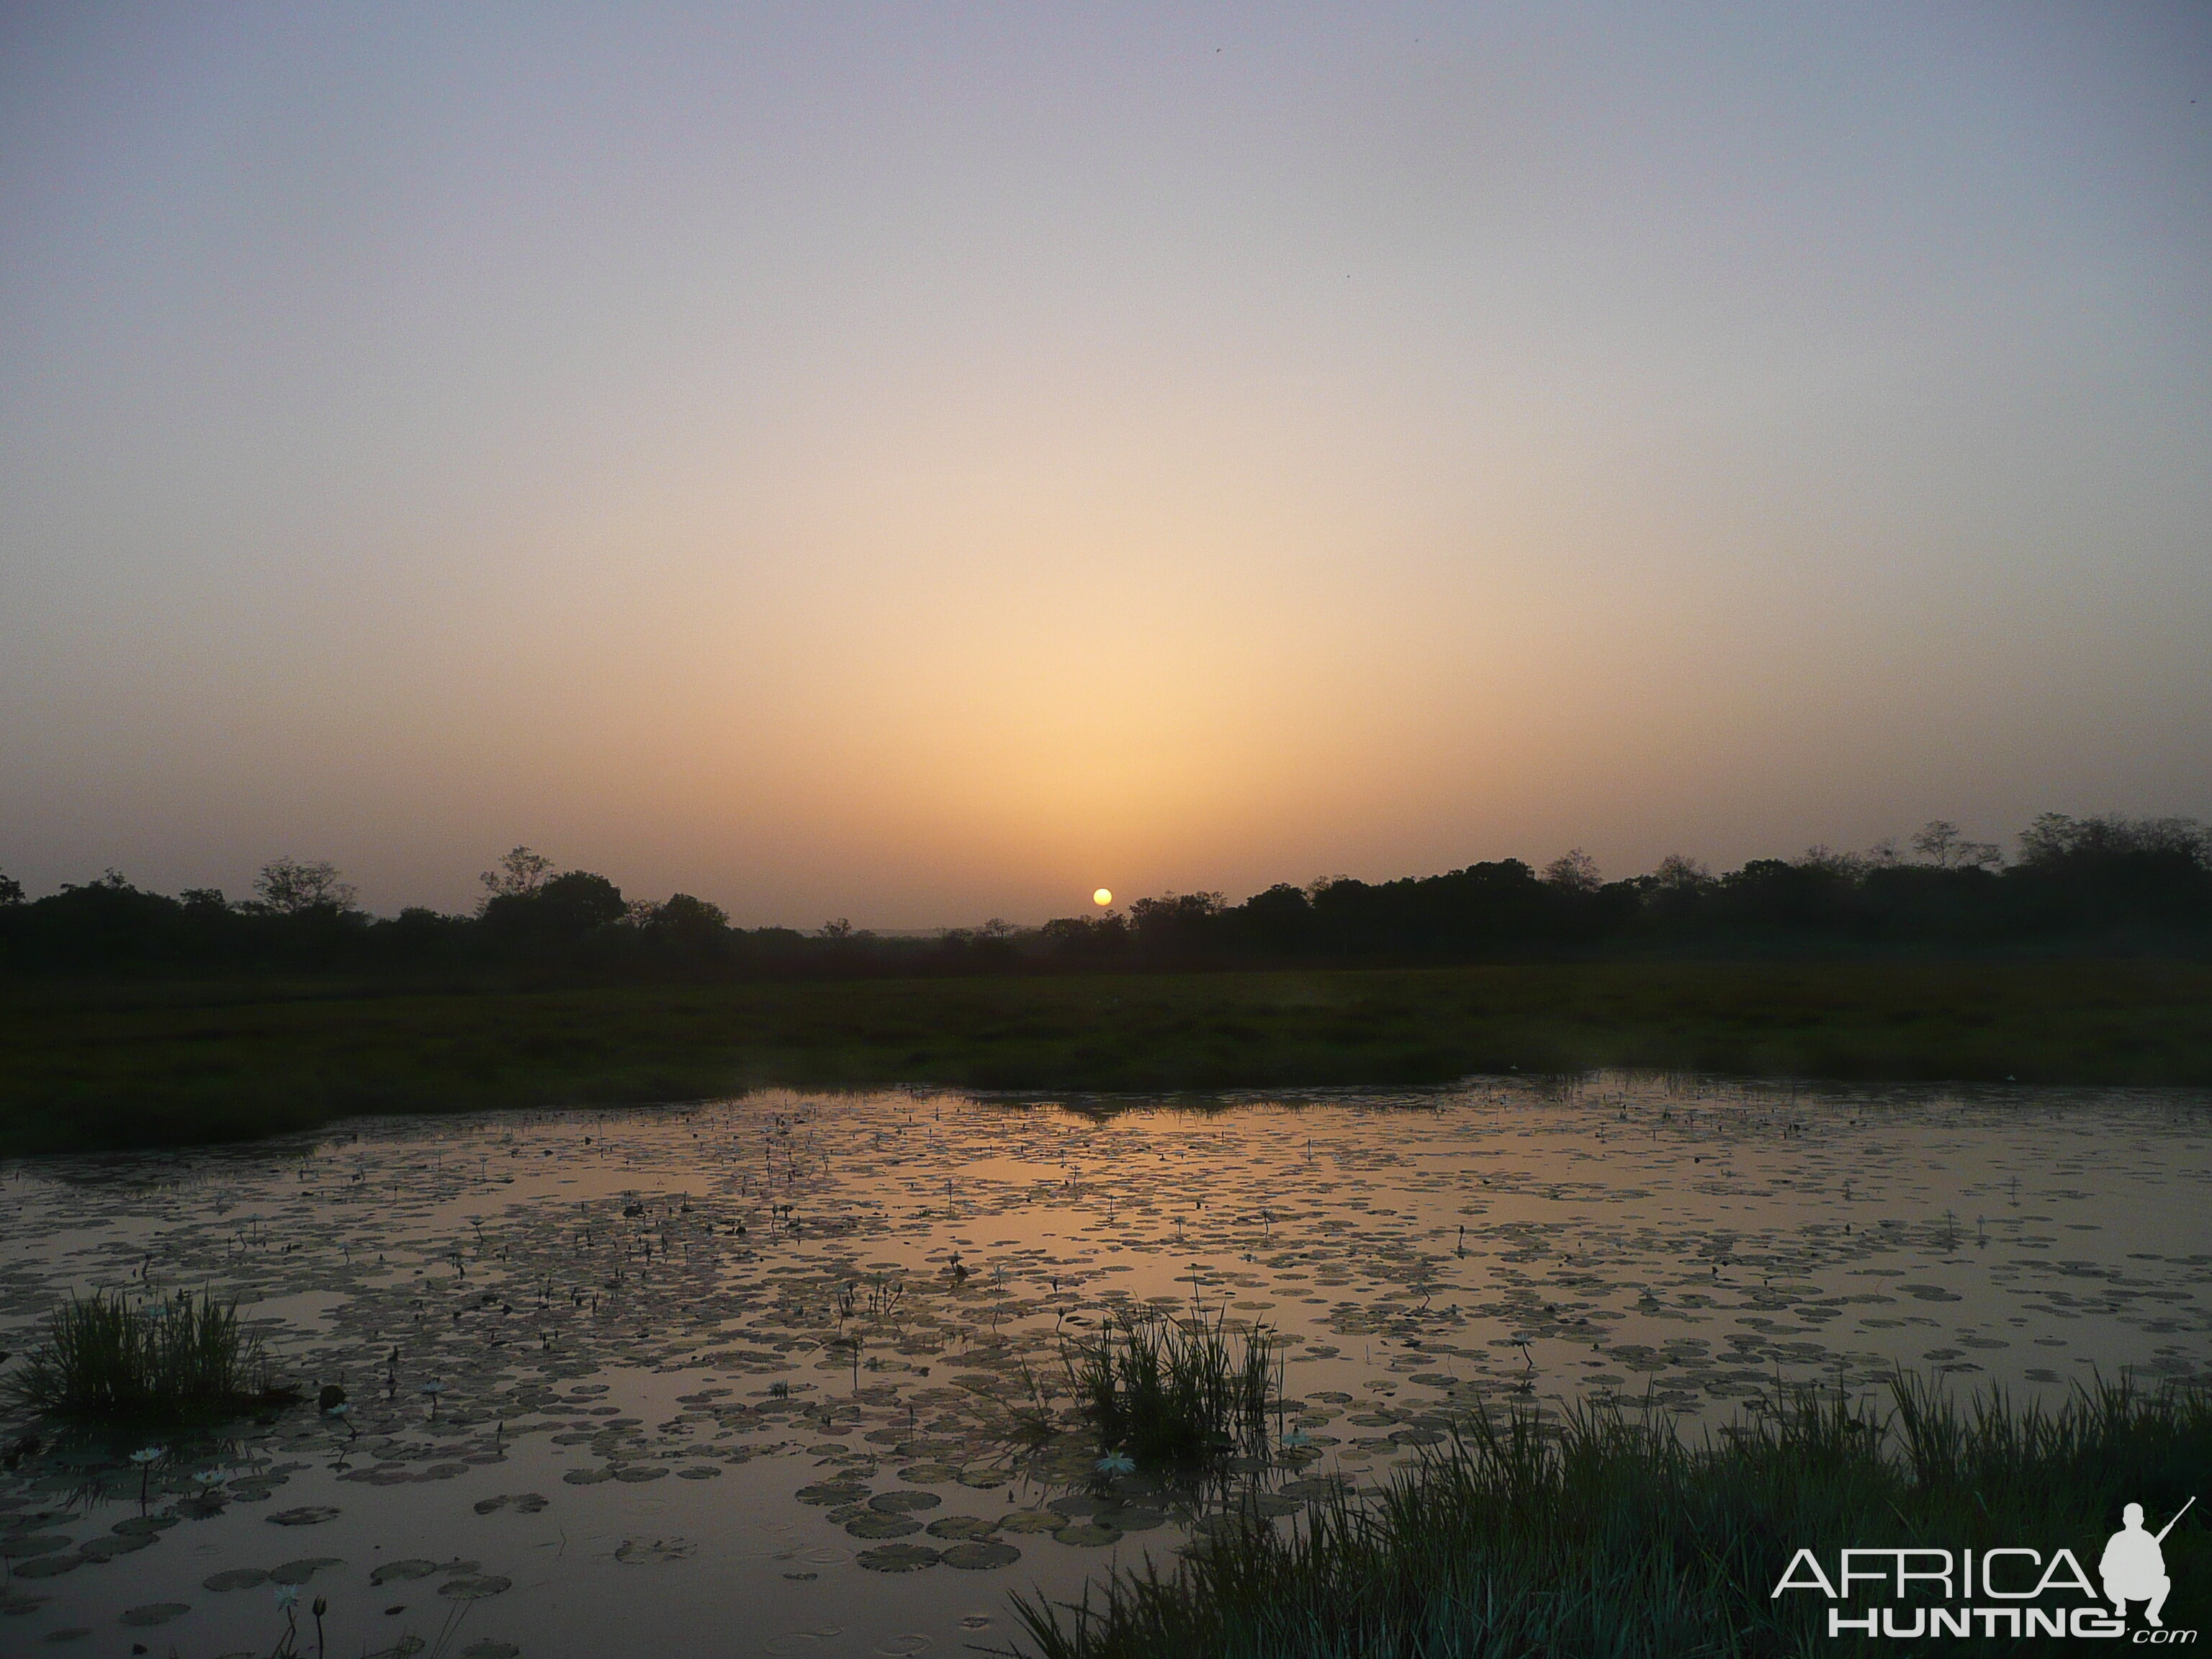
140, 1065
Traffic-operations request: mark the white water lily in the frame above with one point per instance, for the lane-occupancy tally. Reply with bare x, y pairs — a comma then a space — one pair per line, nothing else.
149, 1454
1116, 1463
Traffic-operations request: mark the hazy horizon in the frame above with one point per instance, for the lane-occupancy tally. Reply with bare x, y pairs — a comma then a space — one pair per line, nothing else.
924, 463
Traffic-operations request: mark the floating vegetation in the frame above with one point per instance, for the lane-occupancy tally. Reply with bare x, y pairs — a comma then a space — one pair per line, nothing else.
1604, 1531
107, 1358
1163, 1390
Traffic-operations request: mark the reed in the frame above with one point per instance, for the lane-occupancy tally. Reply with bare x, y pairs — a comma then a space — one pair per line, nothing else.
1606, 1533
1173, 1391
106, 1357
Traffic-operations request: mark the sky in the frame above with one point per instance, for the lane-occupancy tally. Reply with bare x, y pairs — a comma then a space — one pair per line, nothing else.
921, 462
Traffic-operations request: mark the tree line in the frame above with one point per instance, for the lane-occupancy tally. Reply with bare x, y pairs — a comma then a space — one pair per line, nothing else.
2102, 883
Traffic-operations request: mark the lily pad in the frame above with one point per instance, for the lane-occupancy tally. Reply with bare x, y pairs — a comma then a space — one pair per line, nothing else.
50, 1566
475, 1587
881, 1526
638, 1473
903, 1503
829, 1491
640, 1551
235, 1578
1089, 1535
417, 1568
490, 1649
307, 1515
106, 1549
900, 1558
1318, 1486
156, 1612
1032, 1521
299, 1571
962, 1526
522, 1503
701, 1472
25, 1544
980, 1555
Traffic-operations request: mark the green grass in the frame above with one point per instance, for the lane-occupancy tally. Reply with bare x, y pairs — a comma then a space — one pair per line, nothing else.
108, 1359
1173, 1392
145, 1065
1608, 1534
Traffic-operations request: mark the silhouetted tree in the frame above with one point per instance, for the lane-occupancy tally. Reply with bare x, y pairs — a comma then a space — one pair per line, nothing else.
2102, 883
292, 887
2145, 875
520, 874
1086, 941
1574, 871
1943, 845
554, 912
681, 913
1176, 926
1278, 922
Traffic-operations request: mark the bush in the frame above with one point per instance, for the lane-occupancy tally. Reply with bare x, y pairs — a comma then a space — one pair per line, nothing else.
106, 1358
1170, 1391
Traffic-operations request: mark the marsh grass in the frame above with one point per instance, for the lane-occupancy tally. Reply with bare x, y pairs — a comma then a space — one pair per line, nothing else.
1607, 1532
106, 1357
1166, 1391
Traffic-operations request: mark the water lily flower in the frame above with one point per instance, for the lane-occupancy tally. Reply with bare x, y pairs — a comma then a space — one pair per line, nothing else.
209, 1477
1116, 1463
1296, 1438
149, 1454
288, 1595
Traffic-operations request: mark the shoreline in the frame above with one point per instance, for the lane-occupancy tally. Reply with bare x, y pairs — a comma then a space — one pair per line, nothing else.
136, 1065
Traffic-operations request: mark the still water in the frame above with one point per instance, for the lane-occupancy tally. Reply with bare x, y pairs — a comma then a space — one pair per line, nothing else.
752, 1377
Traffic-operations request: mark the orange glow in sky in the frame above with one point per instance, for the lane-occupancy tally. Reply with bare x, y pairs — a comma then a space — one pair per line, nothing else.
898, 463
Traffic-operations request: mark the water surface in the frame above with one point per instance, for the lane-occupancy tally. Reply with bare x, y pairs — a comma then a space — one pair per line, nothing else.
748, 1377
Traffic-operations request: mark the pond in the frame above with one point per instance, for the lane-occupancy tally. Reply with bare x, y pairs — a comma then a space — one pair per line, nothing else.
769, 1376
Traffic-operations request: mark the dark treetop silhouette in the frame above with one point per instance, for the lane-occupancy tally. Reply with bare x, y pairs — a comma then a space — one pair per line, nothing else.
2110, 884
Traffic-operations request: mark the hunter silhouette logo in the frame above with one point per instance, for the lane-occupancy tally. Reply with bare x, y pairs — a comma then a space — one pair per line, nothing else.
1924, 1591
2134, 1567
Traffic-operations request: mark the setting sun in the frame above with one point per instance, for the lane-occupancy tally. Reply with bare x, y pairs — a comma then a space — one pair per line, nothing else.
1102, 897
